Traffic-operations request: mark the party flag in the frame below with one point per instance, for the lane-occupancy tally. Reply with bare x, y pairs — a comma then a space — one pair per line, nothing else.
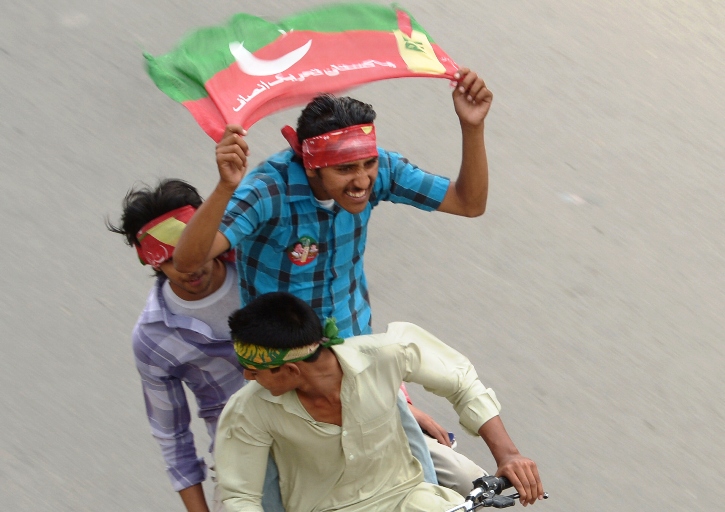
249, 68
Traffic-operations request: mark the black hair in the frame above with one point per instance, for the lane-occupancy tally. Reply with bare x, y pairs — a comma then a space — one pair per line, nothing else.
327, 112
276, 320
143, 204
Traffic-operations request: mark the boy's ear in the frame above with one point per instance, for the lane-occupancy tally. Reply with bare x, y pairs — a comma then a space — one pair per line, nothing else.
291, 368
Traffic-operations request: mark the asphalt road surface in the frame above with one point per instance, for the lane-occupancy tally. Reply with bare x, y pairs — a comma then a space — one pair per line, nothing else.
589, 296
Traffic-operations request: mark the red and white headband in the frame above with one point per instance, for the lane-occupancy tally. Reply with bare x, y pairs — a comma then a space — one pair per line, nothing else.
159, 237
335, 147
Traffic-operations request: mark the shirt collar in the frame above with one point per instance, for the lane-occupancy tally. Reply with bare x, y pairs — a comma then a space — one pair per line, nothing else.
352, 361
299, 186
289, 401
157, 311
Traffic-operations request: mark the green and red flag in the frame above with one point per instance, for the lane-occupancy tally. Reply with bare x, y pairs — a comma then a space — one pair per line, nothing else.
249, 68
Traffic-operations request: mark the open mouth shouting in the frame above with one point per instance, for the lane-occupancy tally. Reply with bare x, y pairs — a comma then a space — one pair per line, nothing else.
357, 194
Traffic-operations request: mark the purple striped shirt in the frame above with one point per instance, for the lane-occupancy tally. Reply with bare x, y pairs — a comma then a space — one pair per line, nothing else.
171, 350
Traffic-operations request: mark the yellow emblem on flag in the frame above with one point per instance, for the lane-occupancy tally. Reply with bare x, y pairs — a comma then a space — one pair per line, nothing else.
418, 53
367, 129
168, 231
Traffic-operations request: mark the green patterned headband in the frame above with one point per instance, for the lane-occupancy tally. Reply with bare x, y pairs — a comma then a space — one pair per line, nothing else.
256, 357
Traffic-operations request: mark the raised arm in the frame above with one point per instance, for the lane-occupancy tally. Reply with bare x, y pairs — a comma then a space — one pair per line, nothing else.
467, 195
201, 240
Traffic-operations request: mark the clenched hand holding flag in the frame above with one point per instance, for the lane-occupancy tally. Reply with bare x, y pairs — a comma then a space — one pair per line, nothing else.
249, 68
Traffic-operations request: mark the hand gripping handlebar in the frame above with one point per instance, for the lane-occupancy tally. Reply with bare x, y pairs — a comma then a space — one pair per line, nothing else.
487, 493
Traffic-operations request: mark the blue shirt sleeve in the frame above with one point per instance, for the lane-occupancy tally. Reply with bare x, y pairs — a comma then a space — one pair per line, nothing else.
256, 200
399, 181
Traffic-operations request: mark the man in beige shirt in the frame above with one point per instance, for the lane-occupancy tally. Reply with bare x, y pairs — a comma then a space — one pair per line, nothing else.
327, 412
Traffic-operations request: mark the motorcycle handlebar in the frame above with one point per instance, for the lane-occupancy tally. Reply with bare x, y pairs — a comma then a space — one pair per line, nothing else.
503, 483
487, 493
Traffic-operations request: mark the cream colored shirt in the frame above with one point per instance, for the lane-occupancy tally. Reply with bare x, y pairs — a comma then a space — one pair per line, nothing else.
366, 464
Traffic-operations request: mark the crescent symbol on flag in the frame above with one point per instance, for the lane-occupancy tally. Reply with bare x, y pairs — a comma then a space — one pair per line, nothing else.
254, 66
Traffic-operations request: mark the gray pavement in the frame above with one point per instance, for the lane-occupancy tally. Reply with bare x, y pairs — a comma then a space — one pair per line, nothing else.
590, 295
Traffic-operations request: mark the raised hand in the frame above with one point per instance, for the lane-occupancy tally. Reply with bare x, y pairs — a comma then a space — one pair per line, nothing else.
471, 98
231, 156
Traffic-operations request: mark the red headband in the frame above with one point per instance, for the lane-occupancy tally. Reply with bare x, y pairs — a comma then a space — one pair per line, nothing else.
335, 147
159, 237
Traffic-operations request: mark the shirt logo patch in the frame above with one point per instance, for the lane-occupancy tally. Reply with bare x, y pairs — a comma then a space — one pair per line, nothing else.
303, 251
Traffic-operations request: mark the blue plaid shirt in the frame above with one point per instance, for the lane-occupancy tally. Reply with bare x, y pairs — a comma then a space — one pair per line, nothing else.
286, 241
171, 350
